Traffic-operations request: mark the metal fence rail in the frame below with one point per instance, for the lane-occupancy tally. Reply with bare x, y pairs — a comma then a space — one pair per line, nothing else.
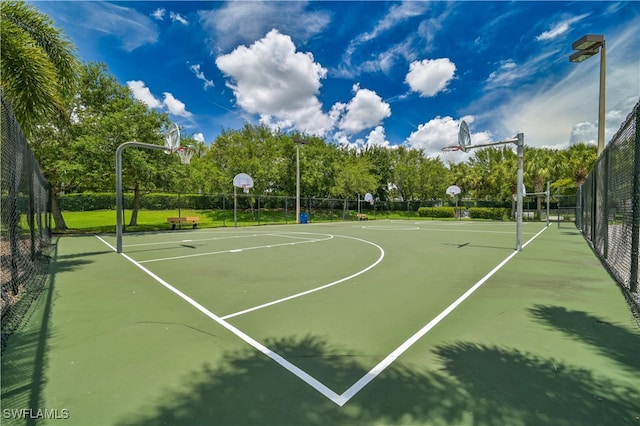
25, 224
609, 210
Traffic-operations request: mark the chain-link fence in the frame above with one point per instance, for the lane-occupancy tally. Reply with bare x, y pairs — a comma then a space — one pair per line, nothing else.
25, 226
609, 208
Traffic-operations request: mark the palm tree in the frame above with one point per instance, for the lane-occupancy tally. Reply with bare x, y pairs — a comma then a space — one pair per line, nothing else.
38, 67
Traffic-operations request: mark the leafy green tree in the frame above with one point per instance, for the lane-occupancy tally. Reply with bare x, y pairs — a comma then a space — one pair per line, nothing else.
353, 177
540, 167
577, 162
406, 165
38, 68
79, 155
492, 173
381, 159
434, 179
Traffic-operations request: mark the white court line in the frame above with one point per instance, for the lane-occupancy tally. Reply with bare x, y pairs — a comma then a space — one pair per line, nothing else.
313, 290
304, 376
196, 240
375, 371
211, 253
338, 399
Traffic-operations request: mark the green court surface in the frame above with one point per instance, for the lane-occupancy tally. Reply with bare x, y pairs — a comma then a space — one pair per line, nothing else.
358, 323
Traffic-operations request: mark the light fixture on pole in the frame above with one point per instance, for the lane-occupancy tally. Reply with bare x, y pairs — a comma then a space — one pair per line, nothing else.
588, 46
299, 141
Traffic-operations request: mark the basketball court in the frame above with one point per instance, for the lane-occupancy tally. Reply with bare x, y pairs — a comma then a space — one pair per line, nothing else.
377, 322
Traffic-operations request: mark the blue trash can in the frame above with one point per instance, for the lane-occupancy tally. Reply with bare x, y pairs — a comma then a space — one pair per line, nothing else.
304, 217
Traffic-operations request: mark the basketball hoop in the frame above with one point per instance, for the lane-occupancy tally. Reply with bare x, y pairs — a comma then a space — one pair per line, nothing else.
368, 198
452, 148
246, 188
185, 154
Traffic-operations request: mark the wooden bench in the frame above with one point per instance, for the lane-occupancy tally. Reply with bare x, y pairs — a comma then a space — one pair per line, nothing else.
362, 216
183, 220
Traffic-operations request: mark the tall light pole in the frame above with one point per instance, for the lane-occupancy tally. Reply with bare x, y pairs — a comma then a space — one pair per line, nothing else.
586, 47
299, 141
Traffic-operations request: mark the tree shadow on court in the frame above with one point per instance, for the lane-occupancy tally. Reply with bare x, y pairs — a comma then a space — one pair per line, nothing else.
613, 341
472, 384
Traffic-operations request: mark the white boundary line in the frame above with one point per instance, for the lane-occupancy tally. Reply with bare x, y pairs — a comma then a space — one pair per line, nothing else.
338, 399
313, 290
237, 250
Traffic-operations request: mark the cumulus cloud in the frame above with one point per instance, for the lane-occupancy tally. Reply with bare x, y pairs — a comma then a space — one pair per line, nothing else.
364, 111
142, 93
174, 106
439, 132
377, 137
199, 137
430, 76
272, 79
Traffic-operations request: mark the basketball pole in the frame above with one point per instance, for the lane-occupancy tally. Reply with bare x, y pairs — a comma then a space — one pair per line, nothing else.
520, 184
519, 141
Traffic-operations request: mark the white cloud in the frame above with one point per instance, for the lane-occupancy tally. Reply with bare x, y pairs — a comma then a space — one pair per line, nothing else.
200, 76
430, 76
584, 132
440, 132
199, 137
398, 13
243, 22
159, 14
560, 28
272, 79
142, 93
377, 137
176, 17
175, 106
130, 27
364, 111
351, 67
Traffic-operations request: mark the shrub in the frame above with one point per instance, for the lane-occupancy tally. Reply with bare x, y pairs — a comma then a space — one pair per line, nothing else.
442, 212
493, 213
87, 201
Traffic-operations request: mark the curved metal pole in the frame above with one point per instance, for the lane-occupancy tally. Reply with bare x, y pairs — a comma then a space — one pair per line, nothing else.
119, 185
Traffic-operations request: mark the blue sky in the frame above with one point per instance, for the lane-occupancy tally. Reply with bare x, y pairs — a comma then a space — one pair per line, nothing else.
367, 72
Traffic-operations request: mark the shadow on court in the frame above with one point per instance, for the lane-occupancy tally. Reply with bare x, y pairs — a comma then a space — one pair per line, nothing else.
476, 385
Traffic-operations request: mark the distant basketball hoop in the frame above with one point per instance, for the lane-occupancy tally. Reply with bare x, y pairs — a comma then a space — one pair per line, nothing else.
368, 198
244, 181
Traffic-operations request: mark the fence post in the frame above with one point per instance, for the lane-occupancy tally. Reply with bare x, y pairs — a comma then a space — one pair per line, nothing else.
635, 226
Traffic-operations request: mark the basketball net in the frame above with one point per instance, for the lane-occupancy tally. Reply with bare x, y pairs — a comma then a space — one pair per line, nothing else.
185, 155
246, 188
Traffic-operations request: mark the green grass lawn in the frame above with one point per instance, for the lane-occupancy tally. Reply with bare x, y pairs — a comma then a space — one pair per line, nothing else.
99, 221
